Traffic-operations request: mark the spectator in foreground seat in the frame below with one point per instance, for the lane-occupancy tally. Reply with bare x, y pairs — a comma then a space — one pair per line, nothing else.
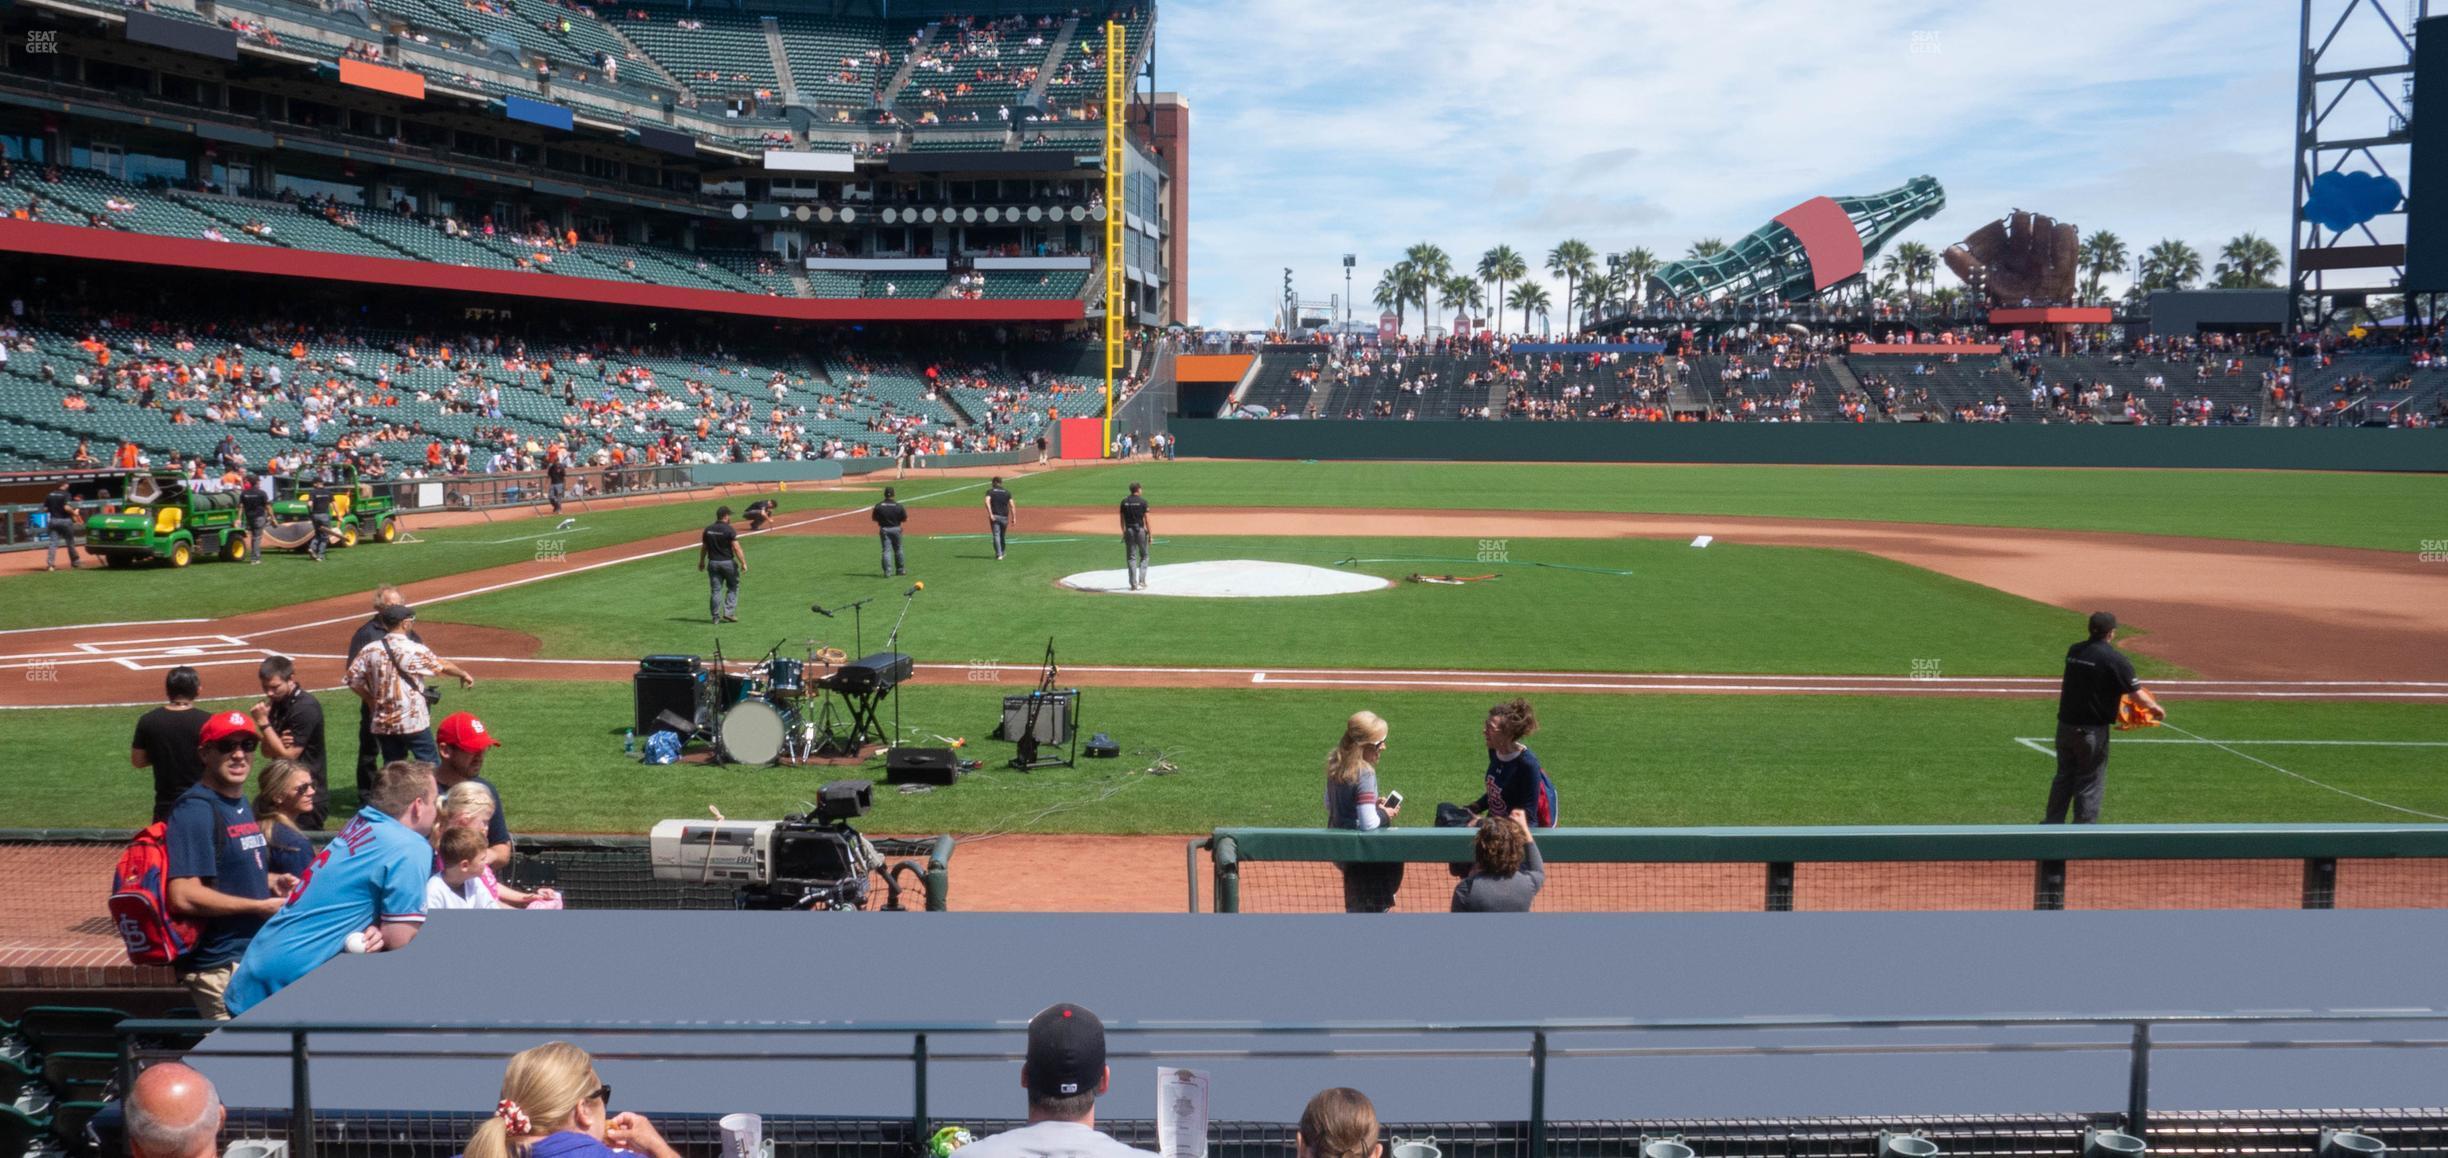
173, 1112
464, 741
1064, 1073
219, 874
470, 804
1339, 1123
460, 882
285, 796
553, 1105
1352, 802
1509, 871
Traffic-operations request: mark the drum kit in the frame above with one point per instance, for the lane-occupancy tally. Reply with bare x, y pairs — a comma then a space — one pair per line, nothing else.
762, 715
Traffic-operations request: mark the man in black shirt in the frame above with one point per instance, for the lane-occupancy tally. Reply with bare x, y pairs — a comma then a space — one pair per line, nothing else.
290, 721
556, 473
2097, 677
998, 513
760, 513
1135, 538
59, 509
369, 750
723, 560
256, 508
168, 738
319, 510
888, 519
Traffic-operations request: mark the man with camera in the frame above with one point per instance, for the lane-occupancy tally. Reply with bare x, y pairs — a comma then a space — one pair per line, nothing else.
389, 675
369, 752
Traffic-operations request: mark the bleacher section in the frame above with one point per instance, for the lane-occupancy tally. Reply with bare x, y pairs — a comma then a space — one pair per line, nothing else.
721, 54
831, 61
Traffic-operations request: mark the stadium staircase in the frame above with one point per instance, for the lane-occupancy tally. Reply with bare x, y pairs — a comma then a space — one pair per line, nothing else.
633, 56
1057, 50
785, 83
909, 61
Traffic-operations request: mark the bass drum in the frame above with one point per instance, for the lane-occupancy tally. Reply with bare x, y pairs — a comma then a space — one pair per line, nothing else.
755, 732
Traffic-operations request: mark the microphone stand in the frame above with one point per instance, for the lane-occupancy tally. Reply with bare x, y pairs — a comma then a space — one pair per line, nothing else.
892, 641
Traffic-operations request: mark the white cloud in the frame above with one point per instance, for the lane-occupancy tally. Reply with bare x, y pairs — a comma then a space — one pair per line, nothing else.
1365, 127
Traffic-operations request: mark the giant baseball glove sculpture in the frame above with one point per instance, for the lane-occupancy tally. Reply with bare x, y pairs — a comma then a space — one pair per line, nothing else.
2021, 255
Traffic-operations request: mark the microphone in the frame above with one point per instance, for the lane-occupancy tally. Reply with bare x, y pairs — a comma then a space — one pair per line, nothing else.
914, 589
818, 608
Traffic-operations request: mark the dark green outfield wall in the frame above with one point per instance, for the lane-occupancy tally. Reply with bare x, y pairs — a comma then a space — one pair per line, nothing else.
1882, 444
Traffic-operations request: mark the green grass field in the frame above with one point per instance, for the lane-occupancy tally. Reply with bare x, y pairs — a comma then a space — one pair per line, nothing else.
1253, 758
2389, 512
1730, 608
215, 588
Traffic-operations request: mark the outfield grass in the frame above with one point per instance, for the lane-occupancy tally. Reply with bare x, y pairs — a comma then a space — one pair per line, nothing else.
2384, 511
1730, 608
40, 599
1253, 758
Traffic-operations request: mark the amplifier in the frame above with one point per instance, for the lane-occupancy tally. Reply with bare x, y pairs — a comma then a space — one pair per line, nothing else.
660, 692
921, 766
1053, 716
669, 663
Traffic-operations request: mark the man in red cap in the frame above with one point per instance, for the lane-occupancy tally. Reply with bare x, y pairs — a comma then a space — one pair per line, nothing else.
464, 740
218, 876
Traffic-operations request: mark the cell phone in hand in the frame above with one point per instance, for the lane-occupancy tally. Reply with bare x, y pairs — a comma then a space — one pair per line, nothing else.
1393, 799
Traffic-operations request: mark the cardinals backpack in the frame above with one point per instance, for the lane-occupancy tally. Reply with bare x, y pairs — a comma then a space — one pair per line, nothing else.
140, 901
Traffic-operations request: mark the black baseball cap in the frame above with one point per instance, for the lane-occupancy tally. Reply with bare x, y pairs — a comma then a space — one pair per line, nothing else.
1066, 1052
396, 613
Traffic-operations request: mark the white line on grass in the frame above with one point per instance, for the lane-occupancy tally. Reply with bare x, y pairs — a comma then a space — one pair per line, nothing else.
2308, 780
568, 571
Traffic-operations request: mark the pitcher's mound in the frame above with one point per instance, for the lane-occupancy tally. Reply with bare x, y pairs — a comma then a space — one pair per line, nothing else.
1231, 579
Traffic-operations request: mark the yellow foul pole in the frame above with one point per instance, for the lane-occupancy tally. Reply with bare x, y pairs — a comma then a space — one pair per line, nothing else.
1117, 90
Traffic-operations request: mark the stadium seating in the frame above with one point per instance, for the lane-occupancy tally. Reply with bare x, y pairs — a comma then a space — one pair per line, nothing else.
725, 55
825, 51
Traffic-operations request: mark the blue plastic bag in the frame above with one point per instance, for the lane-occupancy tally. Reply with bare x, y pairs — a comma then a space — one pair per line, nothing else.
663, 747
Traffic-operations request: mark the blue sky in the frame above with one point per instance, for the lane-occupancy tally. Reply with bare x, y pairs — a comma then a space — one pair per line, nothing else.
1363, 127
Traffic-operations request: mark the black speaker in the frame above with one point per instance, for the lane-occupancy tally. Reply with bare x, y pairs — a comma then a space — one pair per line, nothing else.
660, 692
921, 766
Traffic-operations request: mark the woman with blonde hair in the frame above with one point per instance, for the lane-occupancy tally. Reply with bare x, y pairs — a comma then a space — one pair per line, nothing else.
284, 797
468, 805
1339, 1123
554, 1106
1352, 803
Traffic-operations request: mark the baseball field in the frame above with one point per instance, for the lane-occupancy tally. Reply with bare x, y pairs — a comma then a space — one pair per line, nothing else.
1871, 646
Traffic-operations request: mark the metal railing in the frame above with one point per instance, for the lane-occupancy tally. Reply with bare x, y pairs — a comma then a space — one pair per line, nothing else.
2131, 1034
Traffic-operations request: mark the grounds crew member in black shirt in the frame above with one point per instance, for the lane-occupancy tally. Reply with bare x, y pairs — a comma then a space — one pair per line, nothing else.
998, 513
722, 559
888, 518
59, 512
556, 474
256, 507
167, 738
319, 510
369, 751
1135, 538
2097, 676
760, 513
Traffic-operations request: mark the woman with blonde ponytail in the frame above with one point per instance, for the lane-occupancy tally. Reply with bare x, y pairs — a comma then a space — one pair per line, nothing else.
1352, 803
1339, 1123
554, 1106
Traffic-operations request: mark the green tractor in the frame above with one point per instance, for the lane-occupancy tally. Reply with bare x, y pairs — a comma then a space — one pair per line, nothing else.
359, 512
161, 517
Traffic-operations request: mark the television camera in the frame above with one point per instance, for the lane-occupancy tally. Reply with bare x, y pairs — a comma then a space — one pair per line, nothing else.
814, 860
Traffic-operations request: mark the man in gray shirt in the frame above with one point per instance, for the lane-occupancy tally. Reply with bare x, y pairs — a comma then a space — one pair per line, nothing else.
1064, 1073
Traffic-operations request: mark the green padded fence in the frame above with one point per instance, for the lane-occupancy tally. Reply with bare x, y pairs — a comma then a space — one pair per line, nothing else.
1852, 869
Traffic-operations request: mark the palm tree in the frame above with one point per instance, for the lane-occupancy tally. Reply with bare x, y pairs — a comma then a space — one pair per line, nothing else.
1944, 299
1599, 290
1574, 261
1432, 267
2247, 262
1393, 289
2171, 264
1528, 297
2103, 253
1638, 266
1502, 265
1464, 292
1707, 247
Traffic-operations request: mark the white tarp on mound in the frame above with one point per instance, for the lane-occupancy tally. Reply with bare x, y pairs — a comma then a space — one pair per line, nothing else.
1231, 579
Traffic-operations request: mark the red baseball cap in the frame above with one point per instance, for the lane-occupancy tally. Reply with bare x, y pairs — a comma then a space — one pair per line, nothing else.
462, 730
224, 724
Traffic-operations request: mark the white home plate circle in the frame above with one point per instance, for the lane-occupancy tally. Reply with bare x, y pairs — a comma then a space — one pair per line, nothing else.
1232, 579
